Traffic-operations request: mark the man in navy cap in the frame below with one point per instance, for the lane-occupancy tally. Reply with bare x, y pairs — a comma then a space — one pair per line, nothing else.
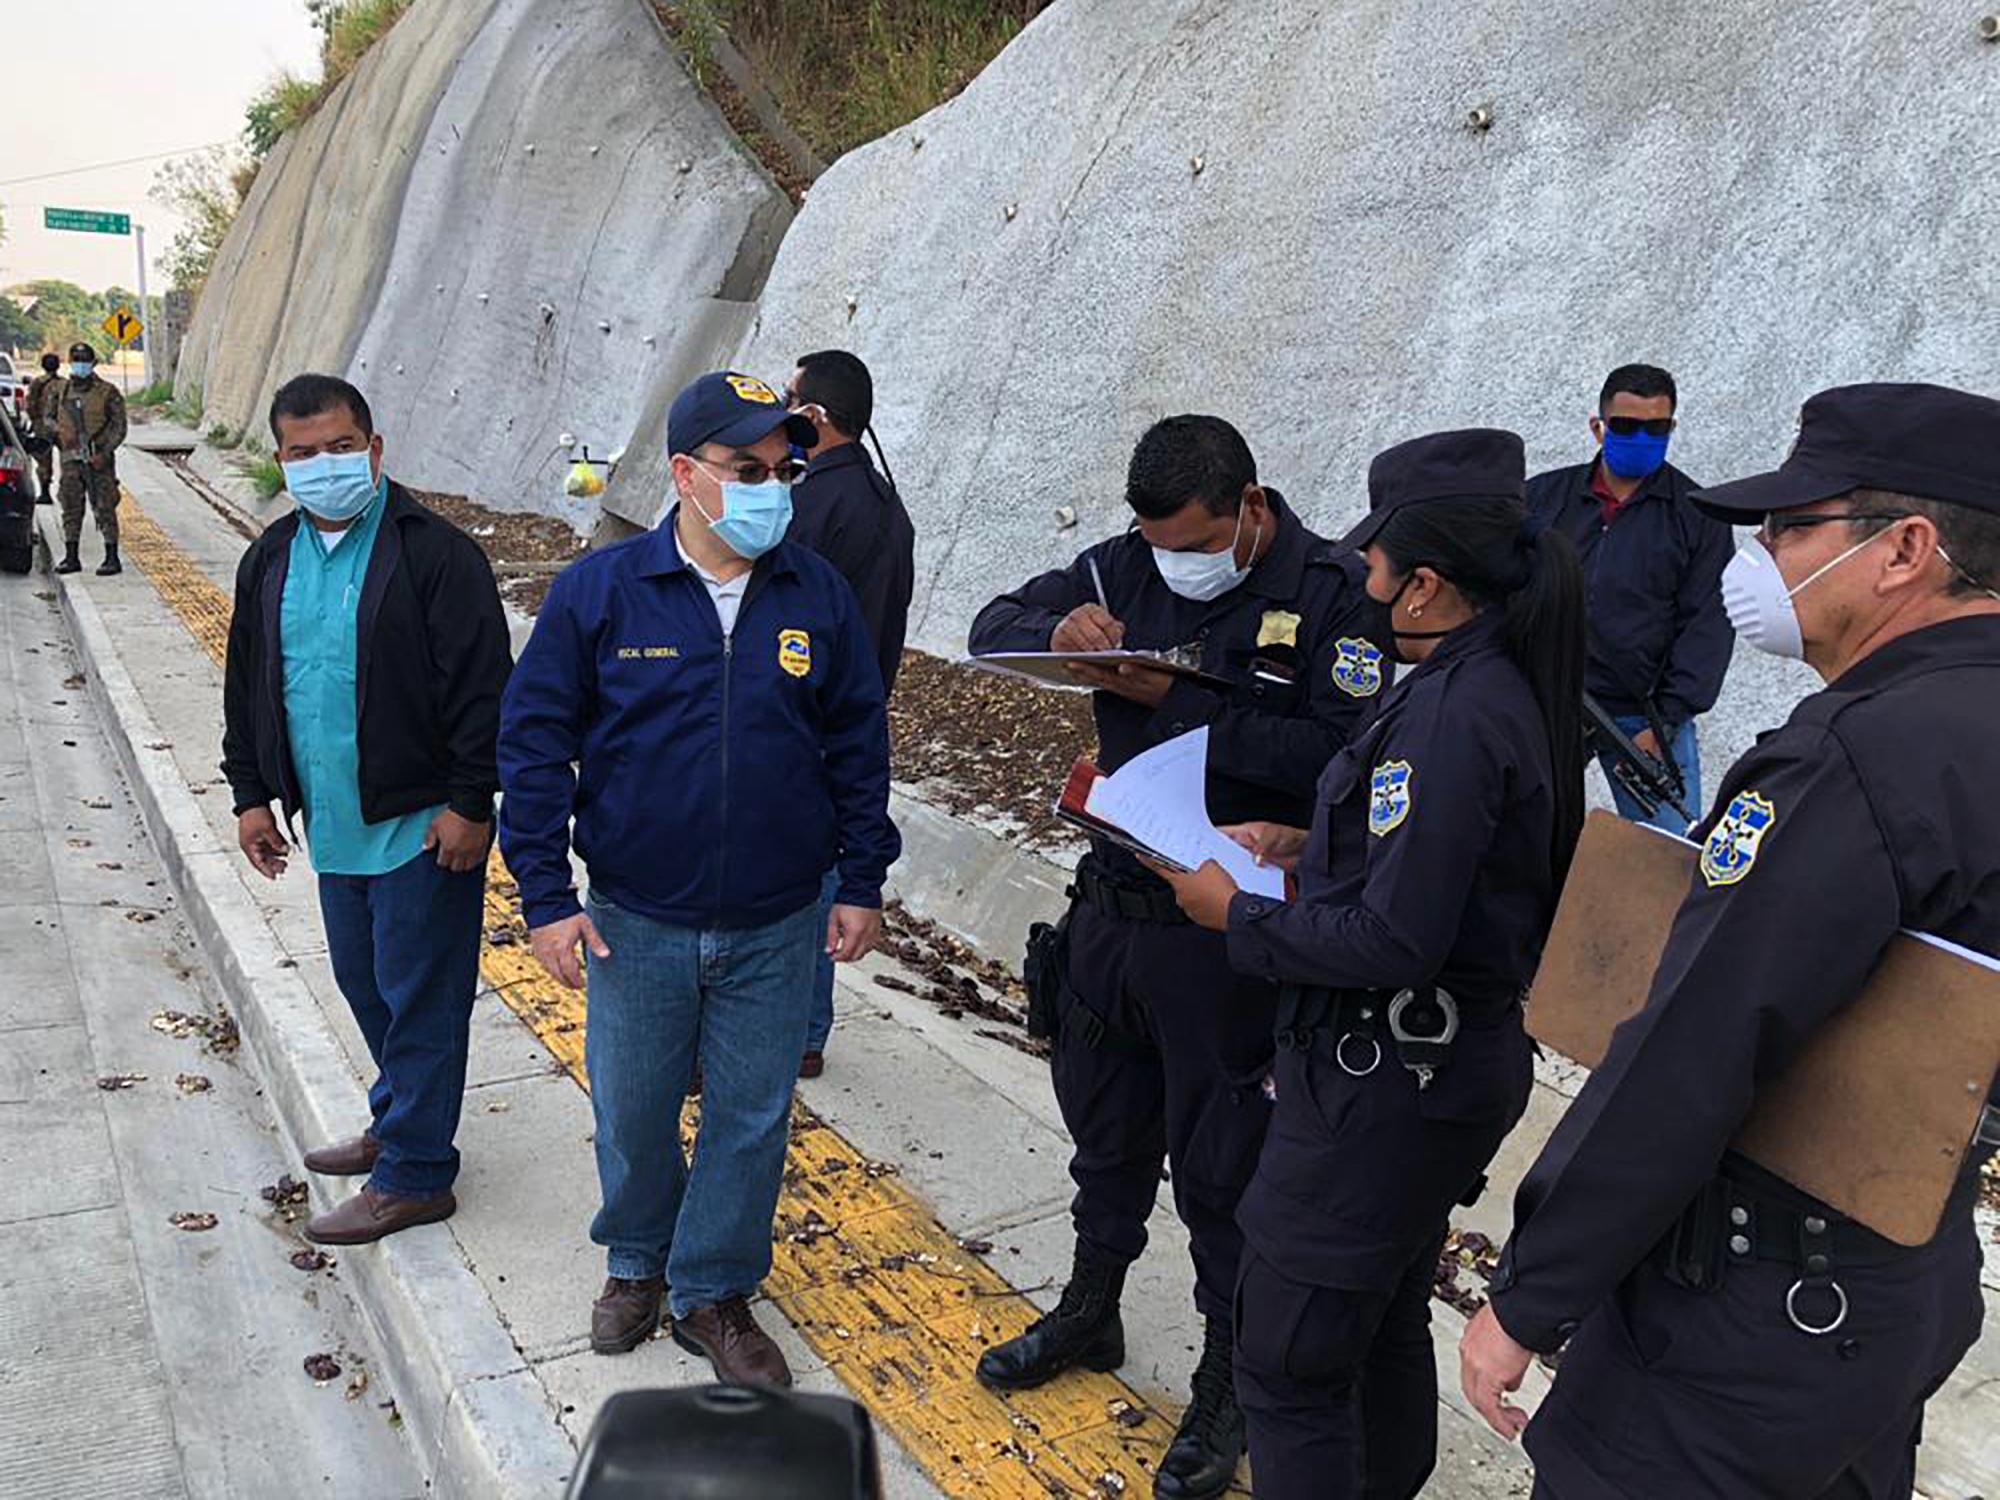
1729, 1333
703, 701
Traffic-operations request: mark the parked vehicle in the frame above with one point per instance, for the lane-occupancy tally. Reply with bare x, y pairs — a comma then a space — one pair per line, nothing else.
17, 499
13, 389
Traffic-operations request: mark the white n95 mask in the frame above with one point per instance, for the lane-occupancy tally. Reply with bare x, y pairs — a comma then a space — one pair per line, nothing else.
1759, 605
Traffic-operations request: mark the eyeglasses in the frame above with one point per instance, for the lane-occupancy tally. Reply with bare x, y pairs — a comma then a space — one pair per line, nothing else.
1775, 526
750, 471
1633, 426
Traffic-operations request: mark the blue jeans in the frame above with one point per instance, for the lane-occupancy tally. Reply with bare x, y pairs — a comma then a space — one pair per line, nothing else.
737, 998
405, 951
1686, 754
821, 1025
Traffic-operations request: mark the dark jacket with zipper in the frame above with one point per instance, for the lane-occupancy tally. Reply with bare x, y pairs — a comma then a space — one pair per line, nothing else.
847, 512
1654, 575
432, 658
712, 780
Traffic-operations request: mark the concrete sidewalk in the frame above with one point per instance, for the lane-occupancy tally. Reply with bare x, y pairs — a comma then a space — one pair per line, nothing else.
487, 1315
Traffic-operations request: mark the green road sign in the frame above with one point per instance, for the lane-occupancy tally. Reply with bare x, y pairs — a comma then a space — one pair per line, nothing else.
88, 220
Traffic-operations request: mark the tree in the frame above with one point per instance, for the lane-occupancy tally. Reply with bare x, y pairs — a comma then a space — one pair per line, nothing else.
17, 329
202, 189
64, 313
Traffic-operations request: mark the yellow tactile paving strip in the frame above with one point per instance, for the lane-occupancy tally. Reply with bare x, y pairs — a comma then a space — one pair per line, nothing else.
879, 1289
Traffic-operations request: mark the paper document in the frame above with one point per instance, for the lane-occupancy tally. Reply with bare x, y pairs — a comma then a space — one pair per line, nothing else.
1051, 668
1160, 797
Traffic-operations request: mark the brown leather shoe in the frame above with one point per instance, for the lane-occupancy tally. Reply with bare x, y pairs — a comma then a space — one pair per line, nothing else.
812, 1065
729, 1338
370, 1214
626, 1315
350, 1158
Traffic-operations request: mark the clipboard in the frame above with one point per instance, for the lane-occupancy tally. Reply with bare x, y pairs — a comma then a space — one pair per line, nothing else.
1874, 1117
1051, 668
1072, 806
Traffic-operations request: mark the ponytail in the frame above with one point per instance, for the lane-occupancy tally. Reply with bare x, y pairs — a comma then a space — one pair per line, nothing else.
1491, 552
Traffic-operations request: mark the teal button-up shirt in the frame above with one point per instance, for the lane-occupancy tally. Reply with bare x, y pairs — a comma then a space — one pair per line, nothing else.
317, 622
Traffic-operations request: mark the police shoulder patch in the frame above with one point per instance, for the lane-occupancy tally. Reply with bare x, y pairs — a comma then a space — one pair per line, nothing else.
1357, 667
1731, 847
1389, 796
795, 652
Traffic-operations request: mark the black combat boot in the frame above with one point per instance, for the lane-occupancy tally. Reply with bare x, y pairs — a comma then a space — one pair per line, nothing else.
1201, 1460
110, 565
1084, 1329
70, 563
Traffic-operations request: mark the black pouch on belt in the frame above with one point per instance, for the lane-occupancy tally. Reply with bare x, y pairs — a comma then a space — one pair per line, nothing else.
1045, 975
1692, 1251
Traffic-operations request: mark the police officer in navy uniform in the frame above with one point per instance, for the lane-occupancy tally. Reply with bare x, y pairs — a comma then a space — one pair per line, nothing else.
1163, 1049
1792, 1359
1425, 888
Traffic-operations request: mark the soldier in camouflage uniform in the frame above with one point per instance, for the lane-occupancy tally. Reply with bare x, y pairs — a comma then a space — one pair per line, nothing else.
43, 391
90, 424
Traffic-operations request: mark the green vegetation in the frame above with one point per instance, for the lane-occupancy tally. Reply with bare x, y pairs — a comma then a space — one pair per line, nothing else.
205, 190
219, 436
265, 476
846, 71
159, 393
348, 28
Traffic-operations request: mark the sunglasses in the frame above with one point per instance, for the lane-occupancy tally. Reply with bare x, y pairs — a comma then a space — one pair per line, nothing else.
1633, 426
750, 471
1776, 526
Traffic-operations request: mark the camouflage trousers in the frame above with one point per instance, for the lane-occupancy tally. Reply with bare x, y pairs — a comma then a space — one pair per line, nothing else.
81, 483
45, 470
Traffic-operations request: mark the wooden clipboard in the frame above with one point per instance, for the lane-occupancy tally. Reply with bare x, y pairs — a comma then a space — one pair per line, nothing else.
1874, 1118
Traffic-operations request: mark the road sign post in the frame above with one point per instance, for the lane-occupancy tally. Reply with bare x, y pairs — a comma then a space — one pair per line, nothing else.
96, 221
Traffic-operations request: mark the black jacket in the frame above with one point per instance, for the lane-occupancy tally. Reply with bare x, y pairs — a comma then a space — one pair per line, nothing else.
1657, 627
851, 516
433, 652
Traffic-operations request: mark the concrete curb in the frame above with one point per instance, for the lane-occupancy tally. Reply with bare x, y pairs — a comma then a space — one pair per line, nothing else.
482, 1422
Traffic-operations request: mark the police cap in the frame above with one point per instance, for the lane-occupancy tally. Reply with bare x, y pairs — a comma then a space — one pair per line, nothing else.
83, 352
734, 410
1928, 441
1472, 463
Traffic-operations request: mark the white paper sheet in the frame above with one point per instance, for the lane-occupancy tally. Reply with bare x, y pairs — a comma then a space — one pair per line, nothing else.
1160, 797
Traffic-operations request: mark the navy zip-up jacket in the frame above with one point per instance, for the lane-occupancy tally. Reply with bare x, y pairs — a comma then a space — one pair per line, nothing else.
712, 781
1654, 575
844, 510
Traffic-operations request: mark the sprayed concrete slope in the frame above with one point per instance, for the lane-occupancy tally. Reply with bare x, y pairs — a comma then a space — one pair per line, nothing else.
300, 268
1037, 269
577, 211
503, 226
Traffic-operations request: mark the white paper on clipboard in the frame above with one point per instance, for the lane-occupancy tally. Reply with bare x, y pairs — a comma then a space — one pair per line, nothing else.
1160, 797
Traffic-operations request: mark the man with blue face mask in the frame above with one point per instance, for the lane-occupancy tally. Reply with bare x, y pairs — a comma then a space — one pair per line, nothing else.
1659, 641
1160, 1047
362, 692
703, 704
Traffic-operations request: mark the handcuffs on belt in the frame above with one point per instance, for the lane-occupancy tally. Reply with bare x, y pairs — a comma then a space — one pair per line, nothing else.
1423, 1052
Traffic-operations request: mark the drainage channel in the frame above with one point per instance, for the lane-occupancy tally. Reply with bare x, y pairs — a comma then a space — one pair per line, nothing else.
233, 515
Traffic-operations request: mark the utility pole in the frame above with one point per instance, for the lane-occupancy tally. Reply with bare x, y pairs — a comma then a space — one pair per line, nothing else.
145, 307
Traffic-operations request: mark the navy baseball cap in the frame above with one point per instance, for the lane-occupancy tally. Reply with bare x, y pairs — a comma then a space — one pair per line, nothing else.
1928, 441
1473, 463
734, 410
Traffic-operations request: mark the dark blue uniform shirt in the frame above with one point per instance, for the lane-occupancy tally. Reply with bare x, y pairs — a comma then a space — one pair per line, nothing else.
1268, 740
1654, 575
713, 781
848, 513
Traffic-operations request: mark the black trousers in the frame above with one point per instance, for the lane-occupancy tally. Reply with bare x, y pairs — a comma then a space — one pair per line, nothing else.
1176, 1079
1671, 1394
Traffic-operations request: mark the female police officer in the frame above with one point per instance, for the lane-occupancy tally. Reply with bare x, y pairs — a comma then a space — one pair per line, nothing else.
1425, 888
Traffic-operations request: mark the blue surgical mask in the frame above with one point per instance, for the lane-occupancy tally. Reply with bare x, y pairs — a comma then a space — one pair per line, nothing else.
755, 517
1633, 457
333, 486
79, 370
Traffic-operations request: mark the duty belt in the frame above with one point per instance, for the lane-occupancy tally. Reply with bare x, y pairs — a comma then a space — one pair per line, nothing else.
1421, 1022
1133, 903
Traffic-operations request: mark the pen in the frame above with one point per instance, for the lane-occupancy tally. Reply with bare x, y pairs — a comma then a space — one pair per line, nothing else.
1098, 579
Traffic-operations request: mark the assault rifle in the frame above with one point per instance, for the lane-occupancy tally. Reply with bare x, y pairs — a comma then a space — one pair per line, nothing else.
1652, 781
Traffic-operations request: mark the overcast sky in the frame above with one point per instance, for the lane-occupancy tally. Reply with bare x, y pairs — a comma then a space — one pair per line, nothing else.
92, 81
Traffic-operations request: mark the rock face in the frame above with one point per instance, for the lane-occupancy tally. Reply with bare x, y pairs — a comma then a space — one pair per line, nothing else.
1280, 213
298, 273
509, 223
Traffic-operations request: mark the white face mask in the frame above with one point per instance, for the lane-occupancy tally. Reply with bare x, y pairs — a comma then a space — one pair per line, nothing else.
1759, 605
1202, 576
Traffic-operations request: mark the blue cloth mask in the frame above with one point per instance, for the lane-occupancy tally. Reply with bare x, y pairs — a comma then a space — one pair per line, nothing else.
80, 370
333, 486
1633, 457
